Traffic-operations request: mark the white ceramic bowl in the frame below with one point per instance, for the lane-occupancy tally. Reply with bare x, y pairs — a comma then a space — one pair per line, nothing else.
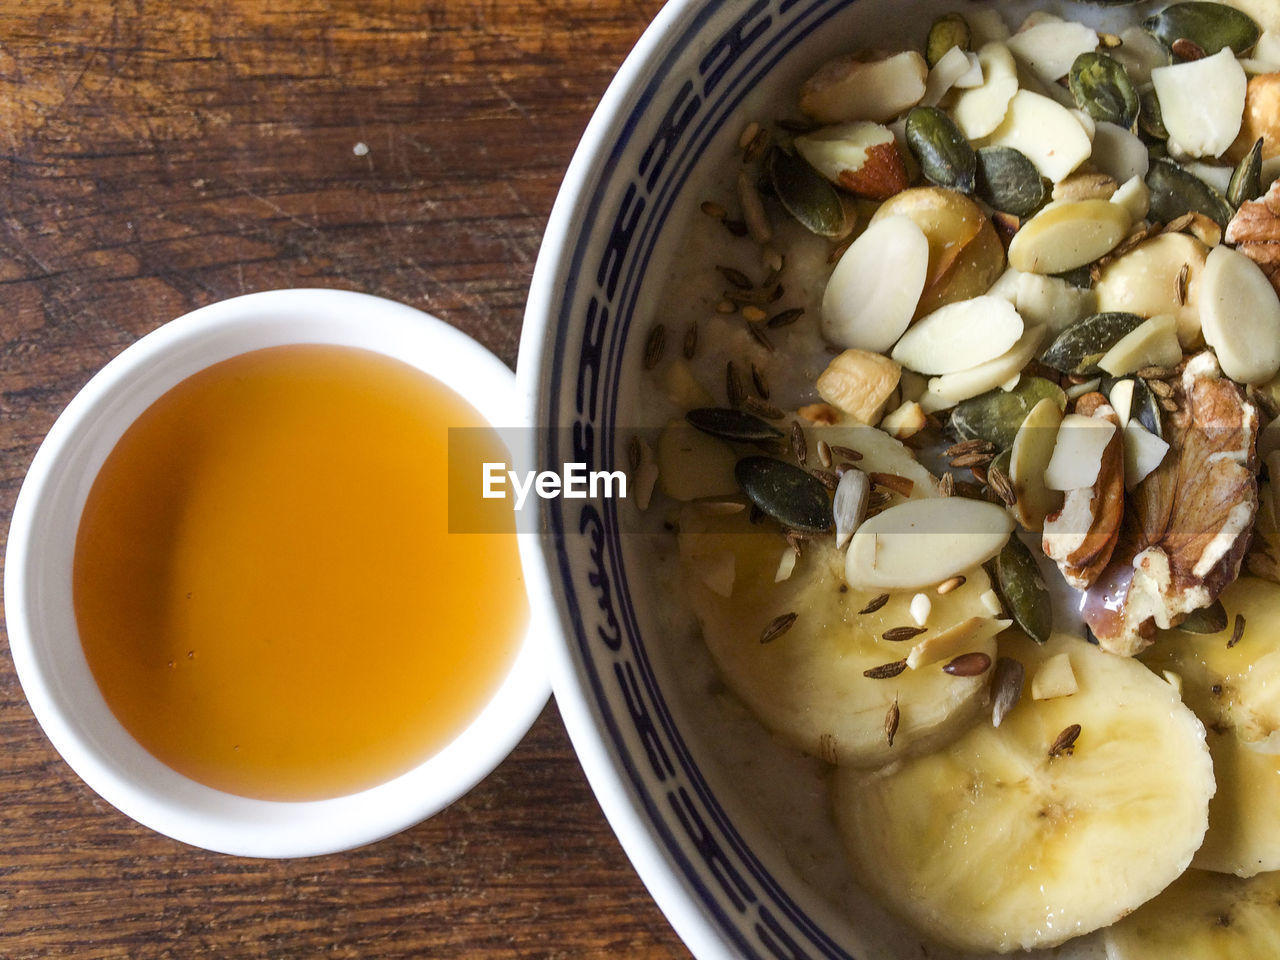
740, 869
37, 584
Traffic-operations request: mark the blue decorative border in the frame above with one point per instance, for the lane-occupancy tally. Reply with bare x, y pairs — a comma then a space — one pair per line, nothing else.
748, 905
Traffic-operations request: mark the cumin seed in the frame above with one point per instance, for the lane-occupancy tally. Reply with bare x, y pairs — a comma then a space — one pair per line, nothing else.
785, 318
886, 671
691, 340
1237, 631
735, 277
875, 604
899, 634
891, 721
778, 626
653, 347
799, 445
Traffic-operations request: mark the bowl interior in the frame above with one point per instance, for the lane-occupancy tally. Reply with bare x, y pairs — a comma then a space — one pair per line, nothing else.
41, 622
729, 830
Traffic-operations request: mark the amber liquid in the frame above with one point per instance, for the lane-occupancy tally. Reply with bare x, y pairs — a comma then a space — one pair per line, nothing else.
265, 585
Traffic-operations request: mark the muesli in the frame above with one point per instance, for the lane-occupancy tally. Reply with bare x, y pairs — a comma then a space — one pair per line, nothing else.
995, 324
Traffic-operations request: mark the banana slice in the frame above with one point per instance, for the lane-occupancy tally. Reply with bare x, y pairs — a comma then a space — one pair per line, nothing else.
1235, 690
807, 683
994, 844
1203, 916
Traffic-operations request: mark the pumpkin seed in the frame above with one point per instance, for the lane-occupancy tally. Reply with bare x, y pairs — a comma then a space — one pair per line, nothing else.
1103, 90
730, 424
1008, 181
943, 152
949, 30
807, 195
1210, 619
1150, 117
1024, 591
1246, 180
1079, 347
996, 415
1210, 26
791, 496
1175, 191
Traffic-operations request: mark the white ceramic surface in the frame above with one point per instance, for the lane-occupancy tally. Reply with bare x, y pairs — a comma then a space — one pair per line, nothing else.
674, 789
37, 585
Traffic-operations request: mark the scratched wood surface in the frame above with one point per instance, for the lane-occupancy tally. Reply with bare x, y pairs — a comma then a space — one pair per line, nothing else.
155, 157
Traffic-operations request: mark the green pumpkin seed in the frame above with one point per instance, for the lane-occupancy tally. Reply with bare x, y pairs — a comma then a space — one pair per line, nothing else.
1210, 619
950, 30
1210, 26
1025, 595
1146, 408
1150, 117
807, 195
1175, 192
1079, 347
1008, 181
996, 415
730, 424
793, 497
1246, 180
945, 156
1103, 90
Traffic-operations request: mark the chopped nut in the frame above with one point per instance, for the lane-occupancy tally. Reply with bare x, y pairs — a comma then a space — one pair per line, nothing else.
859, 383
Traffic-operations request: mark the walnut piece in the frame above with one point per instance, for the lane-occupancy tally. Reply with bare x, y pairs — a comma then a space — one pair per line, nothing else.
1081, 536
1189, 526
1255, 232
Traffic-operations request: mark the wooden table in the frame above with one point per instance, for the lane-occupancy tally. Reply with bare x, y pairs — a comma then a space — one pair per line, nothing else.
161, 156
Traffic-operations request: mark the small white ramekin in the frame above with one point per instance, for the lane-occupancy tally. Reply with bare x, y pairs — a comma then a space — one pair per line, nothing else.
37, 585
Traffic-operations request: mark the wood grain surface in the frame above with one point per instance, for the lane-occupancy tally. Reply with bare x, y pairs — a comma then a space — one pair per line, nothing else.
155, 157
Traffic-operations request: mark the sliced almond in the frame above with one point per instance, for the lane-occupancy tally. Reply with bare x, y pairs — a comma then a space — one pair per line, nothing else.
1143, 453
1069, 234
1077, 452
960, 336
959, 638
850, 88
1135, 196
1029, 458
1052, 301
1119, 152
1049, 48
978, 112
1054, 678
1045, 131
919, 543
1240, 316
786, 565
859, 383
1202, 102
951, 388
946, 73
1144, 281
1154, 343
874, 289
692, 464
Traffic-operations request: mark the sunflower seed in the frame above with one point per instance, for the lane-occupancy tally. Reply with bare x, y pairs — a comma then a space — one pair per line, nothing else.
946, 586
777, 627
761, 409
1006, 682
799, 445
947, 485
735, 277
690, 346
886, 671
973, 445
654, 345
785, 318
1180, 284
734, 389
845, 453
1065, 742
891, 718
875, 604
968, 665
972, 460
1237, 631
849, 507
734, 425
899, 634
